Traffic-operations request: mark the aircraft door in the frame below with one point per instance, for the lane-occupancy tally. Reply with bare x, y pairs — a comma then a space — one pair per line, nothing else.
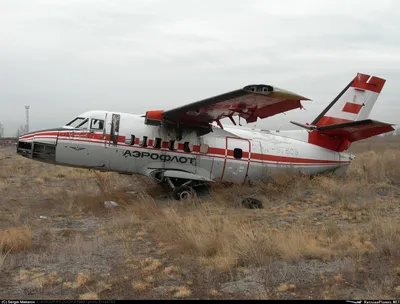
116, 153
237, 159
109, 135
256, 167
106, 130
114, 130
204, 160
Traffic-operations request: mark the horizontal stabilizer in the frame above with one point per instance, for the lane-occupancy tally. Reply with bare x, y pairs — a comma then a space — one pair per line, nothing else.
356, 130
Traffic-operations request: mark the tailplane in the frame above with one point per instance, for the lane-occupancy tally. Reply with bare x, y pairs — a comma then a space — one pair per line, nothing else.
345, 119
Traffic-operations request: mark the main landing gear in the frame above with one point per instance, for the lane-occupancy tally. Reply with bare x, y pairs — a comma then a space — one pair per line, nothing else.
183, 189
184, 193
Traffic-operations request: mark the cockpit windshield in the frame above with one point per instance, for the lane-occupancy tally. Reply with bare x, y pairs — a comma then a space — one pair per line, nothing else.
79, 123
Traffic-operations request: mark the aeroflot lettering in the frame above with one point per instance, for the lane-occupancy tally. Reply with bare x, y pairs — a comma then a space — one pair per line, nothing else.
162, 157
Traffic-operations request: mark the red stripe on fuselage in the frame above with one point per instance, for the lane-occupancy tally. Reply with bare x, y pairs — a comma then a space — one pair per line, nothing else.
217, 152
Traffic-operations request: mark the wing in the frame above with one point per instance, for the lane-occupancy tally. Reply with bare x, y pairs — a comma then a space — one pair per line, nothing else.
251, 102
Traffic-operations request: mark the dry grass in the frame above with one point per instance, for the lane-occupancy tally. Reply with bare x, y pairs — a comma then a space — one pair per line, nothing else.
82, 279
38, 279
180, 291
89, 296
16, 239
385, 234
227, 242
3, 256
140, 286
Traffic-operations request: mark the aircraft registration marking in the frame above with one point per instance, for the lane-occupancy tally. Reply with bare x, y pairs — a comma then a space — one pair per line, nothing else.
285, 151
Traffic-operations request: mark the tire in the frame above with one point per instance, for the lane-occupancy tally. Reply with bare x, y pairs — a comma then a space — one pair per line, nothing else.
252, 203
183, 193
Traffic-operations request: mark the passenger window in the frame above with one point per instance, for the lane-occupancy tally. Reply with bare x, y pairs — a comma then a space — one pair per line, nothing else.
97, 124
171, 145
237, 153
130, 140
157, 143
203, 148
143, 142
188, 147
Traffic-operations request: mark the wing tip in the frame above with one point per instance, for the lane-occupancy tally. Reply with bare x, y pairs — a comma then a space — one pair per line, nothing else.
267, 89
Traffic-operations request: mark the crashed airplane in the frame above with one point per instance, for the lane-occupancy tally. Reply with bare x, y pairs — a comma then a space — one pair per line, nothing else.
182, 147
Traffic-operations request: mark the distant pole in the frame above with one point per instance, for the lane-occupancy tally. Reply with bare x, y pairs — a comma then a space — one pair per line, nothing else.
27, 118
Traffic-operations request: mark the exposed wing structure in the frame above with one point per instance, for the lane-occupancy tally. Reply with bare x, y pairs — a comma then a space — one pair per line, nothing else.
250, 103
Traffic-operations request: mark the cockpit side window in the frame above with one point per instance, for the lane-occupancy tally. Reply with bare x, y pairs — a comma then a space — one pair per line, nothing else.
97, 124
84, 124
76, 122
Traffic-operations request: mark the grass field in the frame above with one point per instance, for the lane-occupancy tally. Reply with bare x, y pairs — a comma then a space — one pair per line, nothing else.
321, 238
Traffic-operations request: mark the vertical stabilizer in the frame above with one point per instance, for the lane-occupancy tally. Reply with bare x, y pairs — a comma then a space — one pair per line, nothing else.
354, 102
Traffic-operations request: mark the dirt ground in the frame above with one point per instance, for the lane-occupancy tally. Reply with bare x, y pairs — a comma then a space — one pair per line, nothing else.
321, 238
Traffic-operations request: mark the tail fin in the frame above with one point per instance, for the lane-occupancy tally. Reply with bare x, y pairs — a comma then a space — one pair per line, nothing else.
354, 103
345, 119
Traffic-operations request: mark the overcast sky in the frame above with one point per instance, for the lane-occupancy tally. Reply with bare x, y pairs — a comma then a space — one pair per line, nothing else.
64, 57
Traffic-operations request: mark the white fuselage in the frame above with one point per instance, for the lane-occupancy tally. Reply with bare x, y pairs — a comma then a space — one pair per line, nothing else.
230, 154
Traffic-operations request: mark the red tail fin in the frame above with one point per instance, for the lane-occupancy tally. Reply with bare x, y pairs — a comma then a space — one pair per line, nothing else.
344, 120
353, 103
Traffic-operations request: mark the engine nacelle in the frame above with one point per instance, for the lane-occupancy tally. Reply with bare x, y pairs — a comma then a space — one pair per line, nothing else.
154, 117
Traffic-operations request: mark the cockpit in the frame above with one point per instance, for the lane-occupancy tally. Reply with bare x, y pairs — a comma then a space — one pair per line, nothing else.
93, 120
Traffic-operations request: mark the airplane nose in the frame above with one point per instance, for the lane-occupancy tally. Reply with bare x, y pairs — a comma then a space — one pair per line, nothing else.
24, 145
39, 145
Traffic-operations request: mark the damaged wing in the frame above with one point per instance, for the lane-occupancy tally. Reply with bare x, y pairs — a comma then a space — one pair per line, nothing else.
250, 103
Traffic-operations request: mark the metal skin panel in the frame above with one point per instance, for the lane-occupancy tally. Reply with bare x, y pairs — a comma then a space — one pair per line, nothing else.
46, 140
80, 154
72, 149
